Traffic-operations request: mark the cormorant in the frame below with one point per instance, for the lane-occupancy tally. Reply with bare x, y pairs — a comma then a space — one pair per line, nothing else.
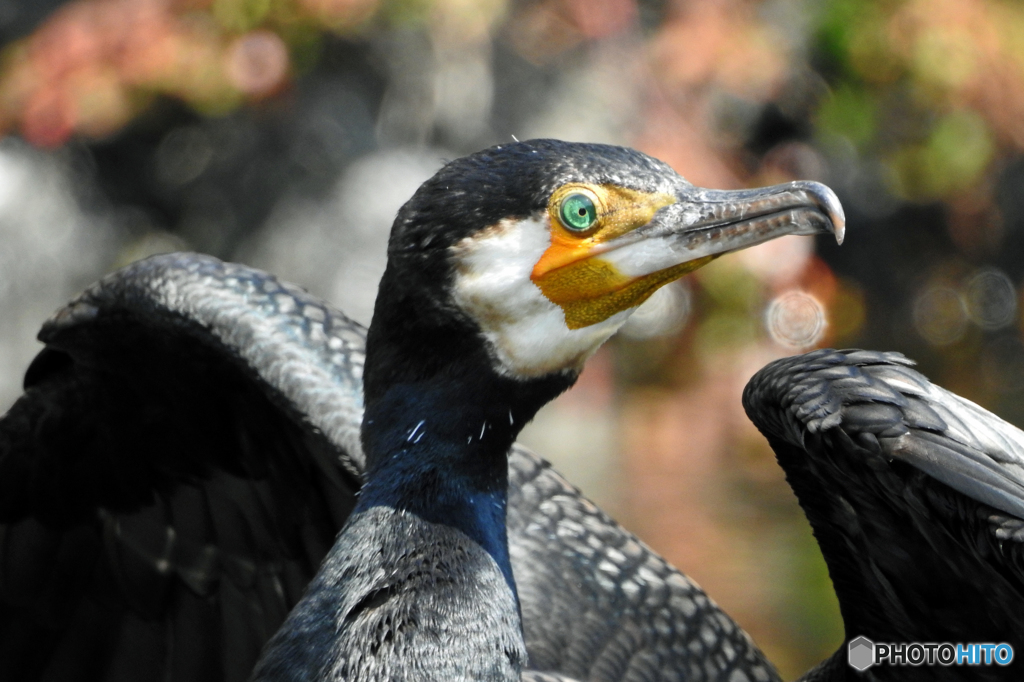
916, 498
187, 448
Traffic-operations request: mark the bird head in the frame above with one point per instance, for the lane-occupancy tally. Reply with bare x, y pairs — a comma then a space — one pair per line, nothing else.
534, 253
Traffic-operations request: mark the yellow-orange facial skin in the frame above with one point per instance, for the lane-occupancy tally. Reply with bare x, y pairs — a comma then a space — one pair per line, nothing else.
586, 287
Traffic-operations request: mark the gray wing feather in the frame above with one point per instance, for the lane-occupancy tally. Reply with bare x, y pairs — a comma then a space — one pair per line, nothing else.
599, 604
875, 395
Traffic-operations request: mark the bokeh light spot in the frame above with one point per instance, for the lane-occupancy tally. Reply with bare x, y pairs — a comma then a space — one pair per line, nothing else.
939, 315
257, 62
796, 319
991, 299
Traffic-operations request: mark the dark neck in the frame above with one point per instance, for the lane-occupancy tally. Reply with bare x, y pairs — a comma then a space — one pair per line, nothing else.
438, 448
427, 537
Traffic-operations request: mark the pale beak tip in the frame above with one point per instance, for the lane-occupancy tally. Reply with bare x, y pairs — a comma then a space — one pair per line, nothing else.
839, 229
829, 205
837, 217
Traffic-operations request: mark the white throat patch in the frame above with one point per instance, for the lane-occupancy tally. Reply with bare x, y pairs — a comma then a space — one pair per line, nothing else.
525, 332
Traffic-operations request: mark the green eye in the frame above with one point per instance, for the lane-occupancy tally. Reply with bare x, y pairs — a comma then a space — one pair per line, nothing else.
578, 212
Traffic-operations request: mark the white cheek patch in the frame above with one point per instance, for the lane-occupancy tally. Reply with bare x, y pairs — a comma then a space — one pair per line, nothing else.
526, 333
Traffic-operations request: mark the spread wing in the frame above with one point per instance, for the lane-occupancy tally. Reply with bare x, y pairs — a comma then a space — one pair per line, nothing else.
875, 396
173, 474
183, 456
599, 604
915, 495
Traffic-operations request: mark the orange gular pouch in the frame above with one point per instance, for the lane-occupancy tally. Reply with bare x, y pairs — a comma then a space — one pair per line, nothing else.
572, 275
592, 290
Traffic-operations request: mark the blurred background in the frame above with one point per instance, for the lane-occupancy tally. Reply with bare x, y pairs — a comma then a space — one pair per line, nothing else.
286, 133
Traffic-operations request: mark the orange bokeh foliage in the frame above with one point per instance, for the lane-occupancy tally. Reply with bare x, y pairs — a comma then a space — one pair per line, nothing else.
94, 64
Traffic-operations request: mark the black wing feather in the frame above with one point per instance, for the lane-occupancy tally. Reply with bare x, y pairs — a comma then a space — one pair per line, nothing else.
911, 492
164, 505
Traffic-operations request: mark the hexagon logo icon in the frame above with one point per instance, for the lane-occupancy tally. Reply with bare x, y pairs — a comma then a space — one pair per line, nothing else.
861, 653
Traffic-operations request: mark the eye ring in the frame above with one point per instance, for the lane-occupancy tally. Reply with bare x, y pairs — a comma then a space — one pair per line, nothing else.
577, 212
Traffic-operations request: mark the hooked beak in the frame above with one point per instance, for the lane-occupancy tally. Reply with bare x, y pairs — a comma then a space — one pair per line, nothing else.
710, 222
690, 227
